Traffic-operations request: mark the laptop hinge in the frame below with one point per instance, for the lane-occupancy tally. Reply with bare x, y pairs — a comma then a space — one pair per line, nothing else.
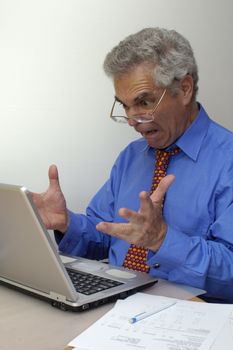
58, 297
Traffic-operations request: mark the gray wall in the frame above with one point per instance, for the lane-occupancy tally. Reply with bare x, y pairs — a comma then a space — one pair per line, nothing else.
55, 99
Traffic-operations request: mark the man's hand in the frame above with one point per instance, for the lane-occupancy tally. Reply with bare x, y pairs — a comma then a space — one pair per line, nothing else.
146, 228
51, 204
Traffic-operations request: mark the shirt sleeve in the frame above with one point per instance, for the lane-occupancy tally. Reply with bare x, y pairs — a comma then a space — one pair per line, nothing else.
82, 239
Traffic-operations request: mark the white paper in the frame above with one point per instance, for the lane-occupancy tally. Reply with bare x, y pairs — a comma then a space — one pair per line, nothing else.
225, 337
185, 325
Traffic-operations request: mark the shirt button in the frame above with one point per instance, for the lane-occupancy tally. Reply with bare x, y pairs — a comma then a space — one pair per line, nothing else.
156, 266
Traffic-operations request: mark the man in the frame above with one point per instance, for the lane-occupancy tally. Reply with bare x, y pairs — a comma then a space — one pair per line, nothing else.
185, 227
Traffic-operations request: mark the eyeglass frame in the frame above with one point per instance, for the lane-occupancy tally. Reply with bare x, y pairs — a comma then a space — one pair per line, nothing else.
137, 118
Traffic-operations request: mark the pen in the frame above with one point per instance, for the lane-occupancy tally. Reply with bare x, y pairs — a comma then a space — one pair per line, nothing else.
145, 314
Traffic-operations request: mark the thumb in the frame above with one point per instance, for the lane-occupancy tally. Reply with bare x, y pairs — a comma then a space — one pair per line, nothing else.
159, 193
53, 176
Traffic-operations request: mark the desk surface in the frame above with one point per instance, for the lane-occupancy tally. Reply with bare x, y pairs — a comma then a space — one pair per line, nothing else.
25, 320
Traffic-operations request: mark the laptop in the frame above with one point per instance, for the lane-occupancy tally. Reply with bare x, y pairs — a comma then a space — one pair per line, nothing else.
29, 261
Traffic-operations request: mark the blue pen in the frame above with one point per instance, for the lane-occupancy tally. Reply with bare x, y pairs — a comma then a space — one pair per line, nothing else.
145, 314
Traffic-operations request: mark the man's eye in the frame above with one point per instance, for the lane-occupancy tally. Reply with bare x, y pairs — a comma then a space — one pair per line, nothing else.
126, 108
122, 105
144, 103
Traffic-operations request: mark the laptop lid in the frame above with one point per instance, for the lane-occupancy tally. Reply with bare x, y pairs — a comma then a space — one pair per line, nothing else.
29, 260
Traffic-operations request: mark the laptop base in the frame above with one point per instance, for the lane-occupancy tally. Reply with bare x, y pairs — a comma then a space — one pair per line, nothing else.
84, 307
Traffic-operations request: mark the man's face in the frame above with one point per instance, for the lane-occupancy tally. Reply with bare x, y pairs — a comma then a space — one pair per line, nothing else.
173, 115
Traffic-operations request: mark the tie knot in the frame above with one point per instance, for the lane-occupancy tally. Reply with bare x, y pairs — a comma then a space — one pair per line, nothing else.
167, 154
173, 151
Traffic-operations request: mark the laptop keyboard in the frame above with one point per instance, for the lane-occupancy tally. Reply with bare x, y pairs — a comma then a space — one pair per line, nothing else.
88, 284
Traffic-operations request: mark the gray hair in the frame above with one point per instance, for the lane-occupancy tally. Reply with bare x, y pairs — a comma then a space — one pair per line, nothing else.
167, 50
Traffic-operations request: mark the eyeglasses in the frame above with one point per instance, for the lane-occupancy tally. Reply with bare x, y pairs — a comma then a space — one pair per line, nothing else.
145, 110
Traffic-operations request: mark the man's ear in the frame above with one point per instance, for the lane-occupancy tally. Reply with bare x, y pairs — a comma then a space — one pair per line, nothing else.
186, 85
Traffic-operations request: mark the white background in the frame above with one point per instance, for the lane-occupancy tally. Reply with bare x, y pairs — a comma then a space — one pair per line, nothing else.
54, 96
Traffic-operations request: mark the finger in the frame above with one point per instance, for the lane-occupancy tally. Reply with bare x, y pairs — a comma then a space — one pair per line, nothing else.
130, 215
112, 229
146, 204
158, 195
53, 175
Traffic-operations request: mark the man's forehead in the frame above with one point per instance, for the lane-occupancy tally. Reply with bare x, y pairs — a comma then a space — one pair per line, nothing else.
140, 96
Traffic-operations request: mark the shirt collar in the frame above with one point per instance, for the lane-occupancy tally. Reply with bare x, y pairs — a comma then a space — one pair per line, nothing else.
191, 140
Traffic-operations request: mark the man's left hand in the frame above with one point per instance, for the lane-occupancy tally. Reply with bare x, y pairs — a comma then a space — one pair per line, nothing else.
145, 228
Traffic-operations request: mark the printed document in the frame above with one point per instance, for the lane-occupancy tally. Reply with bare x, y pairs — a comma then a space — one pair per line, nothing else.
177, 325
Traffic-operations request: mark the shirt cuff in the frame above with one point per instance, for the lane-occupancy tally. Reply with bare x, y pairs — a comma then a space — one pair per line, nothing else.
172, 253
67, 241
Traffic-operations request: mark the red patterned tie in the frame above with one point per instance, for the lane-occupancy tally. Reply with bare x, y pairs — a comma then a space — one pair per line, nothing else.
136, 256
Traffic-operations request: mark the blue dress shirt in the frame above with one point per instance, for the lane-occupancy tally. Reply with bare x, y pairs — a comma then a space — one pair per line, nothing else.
198, 209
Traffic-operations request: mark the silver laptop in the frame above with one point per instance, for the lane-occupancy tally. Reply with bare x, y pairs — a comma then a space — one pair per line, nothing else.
29, 261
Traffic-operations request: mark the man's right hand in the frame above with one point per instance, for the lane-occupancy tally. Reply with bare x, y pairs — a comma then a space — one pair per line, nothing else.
52, 204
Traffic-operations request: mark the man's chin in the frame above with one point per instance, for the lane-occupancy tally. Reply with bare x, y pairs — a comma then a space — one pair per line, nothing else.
155, 143
151, 140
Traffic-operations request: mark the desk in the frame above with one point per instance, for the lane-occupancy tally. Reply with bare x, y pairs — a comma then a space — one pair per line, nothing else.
26, 320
